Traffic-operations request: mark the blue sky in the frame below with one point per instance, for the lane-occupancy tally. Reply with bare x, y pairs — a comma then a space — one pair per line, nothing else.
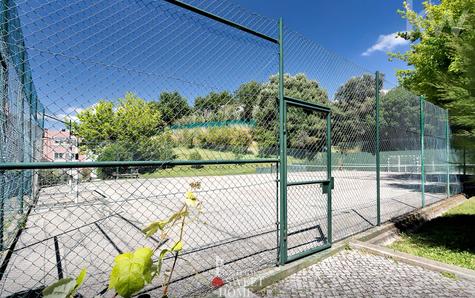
81, 51
346, 27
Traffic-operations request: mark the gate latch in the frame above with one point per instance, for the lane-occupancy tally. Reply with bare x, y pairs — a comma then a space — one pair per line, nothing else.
327, 185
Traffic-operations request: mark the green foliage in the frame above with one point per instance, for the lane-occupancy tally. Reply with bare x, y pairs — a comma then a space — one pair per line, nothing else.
131, 120
266, 111
154, 227
212, 102
448, 238
50, 177
172, 106
195, 155
354, 110
399, 120
229, 138
65, 288
246, 95
442, 57
158, 147
135, 119
131, 271
96, 125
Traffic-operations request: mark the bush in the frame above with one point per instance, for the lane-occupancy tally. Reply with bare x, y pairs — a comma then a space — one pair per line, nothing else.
195, 155
85, 174
159, 147
185, 137
235, 139
54, 177
268, 143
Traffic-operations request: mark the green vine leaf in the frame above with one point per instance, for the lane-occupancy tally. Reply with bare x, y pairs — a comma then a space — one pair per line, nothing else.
160, 260
176, 216
131, 272
80, 278
191, 199
161, 224
178, 246
65, 288
60, 289
154, 227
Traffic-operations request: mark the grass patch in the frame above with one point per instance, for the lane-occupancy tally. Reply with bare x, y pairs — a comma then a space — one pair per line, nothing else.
208, 170
448, 238
183, 153
448, 275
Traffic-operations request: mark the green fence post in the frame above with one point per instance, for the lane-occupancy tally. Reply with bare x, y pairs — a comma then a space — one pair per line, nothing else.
2, 207
282, 152
377, 149
447, 130
4, 31
329, 176
422, 133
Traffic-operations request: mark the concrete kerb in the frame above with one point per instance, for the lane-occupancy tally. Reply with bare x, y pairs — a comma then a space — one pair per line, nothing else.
366, 241
370, 242
459, 272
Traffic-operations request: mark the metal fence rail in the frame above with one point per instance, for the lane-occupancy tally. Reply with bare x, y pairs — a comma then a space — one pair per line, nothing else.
293, 146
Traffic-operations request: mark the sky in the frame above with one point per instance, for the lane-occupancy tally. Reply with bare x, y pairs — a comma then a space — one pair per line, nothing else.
362, 31
81, 51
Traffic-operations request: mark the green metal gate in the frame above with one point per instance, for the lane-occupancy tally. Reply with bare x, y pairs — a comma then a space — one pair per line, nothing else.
306, 218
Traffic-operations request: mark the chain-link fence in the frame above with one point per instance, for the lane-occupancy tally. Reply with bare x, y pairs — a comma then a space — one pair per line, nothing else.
21, 128
292, 146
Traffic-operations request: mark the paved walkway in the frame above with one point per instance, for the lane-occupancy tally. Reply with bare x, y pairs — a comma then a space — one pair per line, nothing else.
353, 273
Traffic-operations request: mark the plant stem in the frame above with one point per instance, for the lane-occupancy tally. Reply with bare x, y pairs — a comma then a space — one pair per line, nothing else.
170, 227
165, 290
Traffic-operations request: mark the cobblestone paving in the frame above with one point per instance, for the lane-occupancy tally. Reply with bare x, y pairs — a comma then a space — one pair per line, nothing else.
353, 273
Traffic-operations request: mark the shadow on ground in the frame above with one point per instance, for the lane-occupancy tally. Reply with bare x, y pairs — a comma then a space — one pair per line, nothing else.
453, 232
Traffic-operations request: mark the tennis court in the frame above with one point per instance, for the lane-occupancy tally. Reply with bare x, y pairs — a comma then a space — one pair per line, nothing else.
68, 230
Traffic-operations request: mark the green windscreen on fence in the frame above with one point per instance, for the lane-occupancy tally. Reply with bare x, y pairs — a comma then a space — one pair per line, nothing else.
21, 117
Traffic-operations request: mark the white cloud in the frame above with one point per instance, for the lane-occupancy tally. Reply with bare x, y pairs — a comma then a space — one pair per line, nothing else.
386, 43
70, 113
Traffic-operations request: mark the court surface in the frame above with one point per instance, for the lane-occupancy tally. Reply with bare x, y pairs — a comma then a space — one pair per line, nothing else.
235, 234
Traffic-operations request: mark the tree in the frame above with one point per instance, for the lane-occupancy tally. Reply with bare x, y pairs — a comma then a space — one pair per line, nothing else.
459, 90
266, 113
400, 123
442, 58
136, 119
96, 125
212, 102
356, 90
354, 110
131, 120
158, 147
246, 96
172, 106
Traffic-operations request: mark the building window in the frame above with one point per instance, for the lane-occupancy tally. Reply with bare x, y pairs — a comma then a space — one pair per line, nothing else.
58, 155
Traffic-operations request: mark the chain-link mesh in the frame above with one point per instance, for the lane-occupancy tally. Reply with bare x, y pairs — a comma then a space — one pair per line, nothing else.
307, 205
21, 127
138, 81
435, 152
400, 151
143, 98
350, 91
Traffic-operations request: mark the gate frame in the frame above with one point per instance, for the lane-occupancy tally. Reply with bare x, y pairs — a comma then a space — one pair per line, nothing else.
327, 184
